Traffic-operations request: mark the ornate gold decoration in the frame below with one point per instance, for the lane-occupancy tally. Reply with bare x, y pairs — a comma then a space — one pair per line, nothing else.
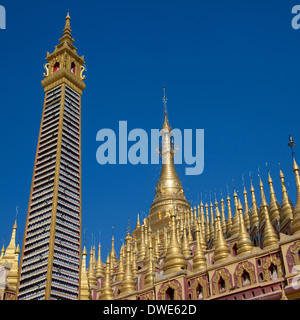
175, 285
294, 249
46, 67
203, 284
216, 278
82, 69
276, 262
240, 270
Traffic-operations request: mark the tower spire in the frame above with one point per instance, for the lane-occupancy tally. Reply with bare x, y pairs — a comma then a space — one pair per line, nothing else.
67, 32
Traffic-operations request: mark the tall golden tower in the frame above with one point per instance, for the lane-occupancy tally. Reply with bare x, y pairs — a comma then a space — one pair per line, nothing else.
50, 261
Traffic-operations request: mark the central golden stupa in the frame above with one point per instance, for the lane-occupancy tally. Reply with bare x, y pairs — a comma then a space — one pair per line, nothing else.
169, 192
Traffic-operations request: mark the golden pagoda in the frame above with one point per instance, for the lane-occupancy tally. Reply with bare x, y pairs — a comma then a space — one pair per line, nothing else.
173, 254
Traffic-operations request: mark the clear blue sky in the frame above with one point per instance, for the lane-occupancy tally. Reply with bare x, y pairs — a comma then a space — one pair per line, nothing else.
230, 67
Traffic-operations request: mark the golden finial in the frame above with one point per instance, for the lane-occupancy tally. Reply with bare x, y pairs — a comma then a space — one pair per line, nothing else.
270, 237
150, 274
254, 211
113, 256
133, 262
235, 221
223, 223
91, 271
148, 237
174, 260
229, 218
221, 249
211, 228
247, 210
138, 224
166, 124
84, 285
11, 248
67, 32
286, 212
142, 251
128, 283
120, 271
207, 233
99, 265
263, 198
2, 252
203, 222
165, 243
156, 248
274, 207
106, 291
283, 295
189, 233
244, 244
181, 217
186, 251
199, 260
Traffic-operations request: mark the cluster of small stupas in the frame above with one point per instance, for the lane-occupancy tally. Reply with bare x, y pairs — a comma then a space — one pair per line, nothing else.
185, 253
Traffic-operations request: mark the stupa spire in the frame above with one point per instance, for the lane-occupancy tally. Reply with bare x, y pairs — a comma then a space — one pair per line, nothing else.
174, 260
221, 249
67, 32
244, 244
169, 190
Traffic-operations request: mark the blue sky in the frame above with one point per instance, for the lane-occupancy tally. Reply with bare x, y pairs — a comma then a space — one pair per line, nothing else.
229, 67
